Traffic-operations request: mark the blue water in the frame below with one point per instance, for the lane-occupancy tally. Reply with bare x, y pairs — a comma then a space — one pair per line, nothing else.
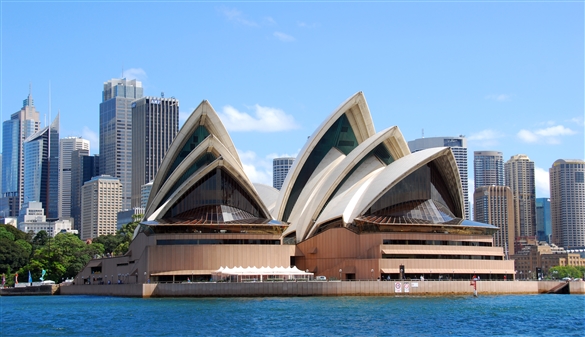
526, 315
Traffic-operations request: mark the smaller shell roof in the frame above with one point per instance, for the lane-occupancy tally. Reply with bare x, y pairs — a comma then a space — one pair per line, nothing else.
356, 200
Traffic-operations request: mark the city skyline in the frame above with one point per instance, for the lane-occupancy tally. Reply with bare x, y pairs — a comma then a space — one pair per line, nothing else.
489, 71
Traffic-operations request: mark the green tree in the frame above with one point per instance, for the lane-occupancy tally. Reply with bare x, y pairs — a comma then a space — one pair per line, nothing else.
5, 234
62, 257
125, 234
560, 272
41, 239
13, 255
110, 242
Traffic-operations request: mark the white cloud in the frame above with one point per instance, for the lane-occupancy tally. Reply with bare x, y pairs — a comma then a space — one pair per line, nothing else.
548, 135
542, 182
527, 136
92, 136
306, 25
283, 37
487, 134
269, 20
265, 119
499, 97
134, 73
276, 155
258, 170
485, 138
577, 120
236, 16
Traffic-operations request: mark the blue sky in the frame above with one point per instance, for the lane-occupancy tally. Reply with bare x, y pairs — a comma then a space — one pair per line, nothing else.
507, 75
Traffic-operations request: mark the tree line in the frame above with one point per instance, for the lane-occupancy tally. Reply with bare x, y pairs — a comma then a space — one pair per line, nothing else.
62, 256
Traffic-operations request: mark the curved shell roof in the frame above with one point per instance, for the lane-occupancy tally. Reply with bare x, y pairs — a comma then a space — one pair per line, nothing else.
361, 196
357, 113
204, 115
202, 146
343, 175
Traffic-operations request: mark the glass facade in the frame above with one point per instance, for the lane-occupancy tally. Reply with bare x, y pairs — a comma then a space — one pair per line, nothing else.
200, 162
423, 195
11, 157
340, 136
217, 188
41, 169
116, 132
190, 144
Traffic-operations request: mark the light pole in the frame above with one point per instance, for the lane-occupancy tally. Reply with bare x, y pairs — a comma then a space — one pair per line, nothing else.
340, 274
372, 272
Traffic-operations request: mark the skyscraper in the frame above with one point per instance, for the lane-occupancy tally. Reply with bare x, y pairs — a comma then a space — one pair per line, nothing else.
21, 125
458, 146
280, 167
488, 168
83, 168
155, 123
66, 147
41, 168
116, 132
100, 203
520, 178
494, 205
543, 219
567, 202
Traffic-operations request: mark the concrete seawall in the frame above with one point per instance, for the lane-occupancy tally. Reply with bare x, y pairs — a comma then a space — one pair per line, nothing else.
31, 290
357, 288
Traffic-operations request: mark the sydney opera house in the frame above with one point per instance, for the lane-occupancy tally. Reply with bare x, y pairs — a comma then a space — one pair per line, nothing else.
356, 204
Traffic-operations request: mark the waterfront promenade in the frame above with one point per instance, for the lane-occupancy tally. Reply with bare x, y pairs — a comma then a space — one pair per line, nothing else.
315, 288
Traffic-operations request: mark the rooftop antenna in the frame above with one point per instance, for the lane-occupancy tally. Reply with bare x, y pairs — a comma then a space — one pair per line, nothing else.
423, 133
122, 76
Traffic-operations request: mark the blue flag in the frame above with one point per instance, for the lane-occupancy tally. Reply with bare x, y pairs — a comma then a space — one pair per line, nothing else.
29, 277
43, 275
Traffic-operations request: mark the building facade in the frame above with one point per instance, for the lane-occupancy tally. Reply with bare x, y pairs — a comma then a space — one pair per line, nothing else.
101, 200
280, 167
116, 132
83, 168
567, 203
494, 205
41, 168
543, 219
145, 194
459, 147
66, 147
534, 261
356, 204
21, 125
155, 123
519, 171
488, 168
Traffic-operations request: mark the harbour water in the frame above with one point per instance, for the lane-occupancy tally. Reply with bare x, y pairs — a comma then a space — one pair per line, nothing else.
510, 315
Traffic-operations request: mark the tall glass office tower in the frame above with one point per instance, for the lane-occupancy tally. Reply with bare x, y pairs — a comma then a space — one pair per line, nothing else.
567, 203
488, 168
280, 168
66, 147
41, 168
155, 123
543, 219
520, 178
116, 132
458, 146
21, 125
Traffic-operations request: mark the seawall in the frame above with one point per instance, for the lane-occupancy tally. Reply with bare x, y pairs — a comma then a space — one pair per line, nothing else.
332, 288
31, 290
